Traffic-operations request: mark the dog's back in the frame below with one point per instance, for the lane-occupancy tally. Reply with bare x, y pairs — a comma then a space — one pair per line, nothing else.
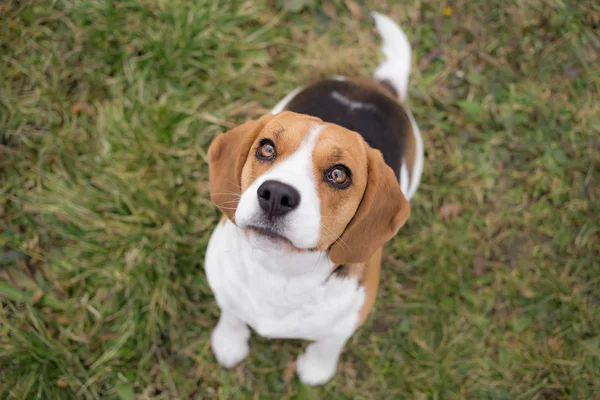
372, 107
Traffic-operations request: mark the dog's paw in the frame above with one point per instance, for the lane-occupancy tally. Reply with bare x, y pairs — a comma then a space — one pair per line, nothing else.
314, 370
229, 346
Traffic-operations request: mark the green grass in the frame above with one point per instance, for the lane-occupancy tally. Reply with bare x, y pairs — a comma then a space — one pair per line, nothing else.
107, 109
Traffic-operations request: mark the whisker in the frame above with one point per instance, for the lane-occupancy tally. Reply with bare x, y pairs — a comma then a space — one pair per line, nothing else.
228, 208
222, 205
339, 239
227, 194
234, 184
231, 203
312, 271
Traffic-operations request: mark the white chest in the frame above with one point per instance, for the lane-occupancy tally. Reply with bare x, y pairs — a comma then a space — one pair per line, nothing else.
280, 294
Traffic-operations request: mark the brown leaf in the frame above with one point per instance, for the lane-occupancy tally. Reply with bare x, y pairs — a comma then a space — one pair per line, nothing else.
155, 370
329, 9
102, 338
102, 294
480, 266
59, 319
420, 396
449, 212
290, 369
37, 296
526, 292
593, 17
380, 325
204, 323
273, 52
82, 108
24, 327
555, 344
571, 71
354, 9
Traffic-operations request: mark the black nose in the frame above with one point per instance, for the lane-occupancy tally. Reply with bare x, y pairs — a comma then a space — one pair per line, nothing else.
277, 198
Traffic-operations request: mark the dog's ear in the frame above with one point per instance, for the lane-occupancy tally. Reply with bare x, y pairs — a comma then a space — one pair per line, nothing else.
226, 158
380, 214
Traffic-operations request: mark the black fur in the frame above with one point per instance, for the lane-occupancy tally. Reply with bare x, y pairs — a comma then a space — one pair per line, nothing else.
383, 123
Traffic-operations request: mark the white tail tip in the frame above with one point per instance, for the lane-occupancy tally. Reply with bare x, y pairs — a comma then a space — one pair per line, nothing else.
396, 48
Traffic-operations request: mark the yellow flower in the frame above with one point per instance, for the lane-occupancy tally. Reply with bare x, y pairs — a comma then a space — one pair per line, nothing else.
447, 11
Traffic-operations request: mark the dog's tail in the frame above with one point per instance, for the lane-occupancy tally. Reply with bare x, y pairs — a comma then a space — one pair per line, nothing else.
395, 70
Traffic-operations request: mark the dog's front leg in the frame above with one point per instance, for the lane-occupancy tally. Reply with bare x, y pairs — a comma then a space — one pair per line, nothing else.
318, 363
229, 340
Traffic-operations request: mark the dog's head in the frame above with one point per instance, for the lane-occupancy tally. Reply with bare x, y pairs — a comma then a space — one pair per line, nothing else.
296, 182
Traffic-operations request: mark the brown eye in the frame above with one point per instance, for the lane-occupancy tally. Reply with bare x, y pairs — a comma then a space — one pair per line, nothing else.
339, 176
266, 150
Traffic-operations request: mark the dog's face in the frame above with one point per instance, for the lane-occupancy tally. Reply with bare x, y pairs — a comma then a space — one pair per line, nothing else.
294, 182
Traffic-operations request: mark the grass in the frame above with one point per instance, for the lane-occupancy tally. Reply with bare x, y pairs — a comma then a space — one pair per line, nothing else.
107, 109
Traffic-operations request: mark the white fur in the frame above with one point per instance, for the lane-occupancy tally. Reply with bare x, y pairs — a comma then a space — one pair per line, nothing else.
404, 180
417, 171
318, 363
397, 51
279, 107
229, 340
303, 224
280, 295
410, 184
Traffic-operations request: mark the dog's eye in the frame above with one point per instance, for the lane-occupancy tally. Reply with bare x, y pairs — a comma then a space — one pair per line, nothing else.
266, 150
339, 177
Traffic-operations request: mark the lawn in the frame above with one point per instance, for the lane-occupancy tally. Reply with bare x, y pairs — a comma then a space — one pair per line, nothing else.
107, 109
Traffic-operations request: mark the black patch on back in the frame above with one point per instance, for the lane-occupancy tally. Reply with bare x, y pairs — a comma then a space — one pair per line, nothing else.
382, 124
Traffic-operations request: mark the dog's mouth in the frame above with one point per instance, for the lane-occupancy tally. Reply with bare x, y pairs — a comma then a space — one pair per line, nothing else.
269, 233
275, 236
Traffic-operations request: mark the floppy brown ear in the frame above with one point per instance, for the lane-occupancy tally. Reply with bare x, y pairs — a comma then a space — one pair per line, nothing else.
226, 158
380, 214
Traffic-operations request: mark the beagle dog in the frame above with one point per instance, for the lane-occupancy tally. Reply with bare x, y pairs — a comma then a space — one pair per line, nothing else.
310, 194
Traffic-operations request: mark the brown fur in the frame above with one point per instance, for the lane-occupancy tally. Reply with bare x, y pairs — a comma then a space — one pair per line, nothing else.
383, 210
337, 145
367, 274
370, 281
226, 156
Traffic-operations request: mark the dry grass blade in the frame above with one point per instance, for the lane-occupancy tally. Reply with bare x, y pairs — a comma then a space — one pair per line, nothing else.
354, 9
